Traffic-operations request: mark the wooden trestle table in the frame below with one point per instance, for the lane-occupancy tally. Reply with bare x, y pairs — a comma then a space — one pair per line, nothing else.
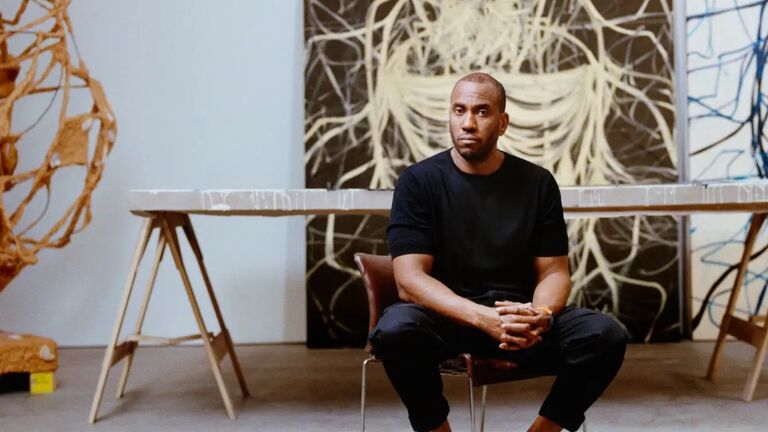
165, 211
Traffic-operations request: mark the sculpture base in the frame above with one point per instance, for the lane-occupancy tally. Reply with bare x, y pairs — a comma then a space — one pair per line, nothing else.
27, 363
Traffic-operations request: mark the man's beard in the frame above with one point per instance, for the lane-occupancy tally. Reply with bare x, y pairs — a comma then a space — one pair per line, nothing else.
482, 152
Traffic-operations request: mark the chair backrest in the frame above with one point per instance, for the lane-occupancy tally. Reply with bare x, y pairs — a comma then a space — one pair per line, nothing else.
379, 280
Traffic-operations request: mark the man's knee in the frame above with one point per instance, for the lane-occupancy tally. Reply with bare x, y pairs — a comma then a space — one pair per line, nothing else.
393, 337
403, 330
602, 339
611, 342
613, 338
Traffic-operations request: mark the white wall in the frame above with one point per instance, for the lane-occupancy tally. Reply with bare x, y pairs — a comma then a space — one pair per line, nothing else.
207, 94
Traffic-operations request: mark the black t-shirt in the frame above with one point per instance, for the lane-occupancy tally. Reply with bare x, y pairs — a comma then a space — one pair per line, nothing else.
482, 230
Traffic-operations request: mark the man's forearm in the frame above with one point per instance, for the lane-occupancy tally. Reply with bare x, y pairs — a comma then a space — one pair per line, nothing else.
429, 292
552, 291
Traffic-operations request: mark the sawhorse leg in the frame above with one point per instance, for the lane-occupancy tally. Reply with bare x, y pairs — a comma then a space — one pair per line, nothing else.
114, 353
747, 331
161, 244
192, 239
216, 346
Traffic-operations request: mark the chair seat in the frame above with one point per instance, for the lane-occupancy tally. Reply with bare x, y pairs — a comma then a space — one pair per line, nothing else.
484, 371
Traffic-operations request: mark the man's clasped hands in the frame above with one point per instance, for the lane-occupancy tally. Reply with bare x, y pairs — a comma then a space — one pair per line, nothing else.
517, 325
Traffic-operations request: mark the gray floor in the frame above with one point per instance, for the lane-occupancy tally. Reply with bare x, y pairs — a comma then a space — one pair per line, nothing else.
295, 389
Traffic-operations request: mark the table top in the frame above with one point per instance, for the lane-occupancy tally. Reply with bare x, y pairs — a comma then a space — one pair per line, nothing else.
578, 201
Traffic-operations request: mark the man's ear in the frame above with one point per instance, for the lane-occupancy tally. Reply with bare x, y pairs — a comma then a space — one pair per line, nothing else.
503, 123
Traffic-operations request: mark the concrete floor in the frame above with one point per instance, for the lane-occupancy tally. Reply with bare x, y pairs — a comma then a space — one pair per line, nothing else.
660, 388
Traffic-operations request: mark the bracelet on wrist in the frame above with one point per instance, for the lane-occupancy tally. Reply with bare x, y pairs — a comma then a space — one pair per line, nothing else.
549, 313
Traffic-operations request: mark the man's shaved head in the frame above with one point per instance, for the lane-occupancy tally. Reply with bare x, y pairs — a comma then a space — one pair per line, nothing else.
484, 78
477, 118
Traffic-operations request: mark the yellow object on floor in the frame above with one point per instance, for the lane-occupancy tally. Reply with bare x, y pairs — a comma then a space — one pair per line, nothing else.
42, 382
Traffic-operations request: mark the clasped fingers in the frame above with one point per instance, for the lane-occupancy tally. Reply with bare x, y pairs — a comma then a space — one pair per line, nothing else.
516, 342
512, 308
515, 327
519, 319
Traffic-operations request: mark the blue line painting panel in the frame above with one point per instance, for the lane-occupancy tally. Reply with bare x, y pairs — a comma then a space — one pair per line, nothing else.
726, 44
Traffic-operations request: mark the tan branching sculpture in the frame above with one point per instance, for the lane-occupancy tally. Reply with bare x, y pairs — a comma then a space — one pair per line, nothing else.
43, 67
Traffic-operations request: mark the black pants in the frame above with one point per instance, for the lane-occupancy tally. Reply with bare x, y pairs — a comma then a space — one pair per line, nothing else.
584, 349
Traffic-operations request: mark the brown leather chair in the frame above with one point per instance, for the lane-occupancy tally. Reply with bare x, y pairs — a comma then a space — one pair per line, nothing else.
379, 279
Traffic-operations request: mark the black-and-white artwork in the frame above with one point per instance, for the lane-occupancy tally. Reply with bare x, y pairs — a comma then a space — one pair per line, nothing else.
590, 97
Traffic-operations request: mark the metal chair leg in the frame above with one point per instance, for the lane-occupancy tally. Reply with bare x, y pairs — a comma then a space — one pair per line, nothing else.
482, 409
362, 394
471, 403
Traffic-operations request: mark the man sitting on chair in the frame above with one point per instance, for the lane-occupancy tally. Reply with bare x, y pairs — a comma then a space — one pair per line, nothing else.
480, 254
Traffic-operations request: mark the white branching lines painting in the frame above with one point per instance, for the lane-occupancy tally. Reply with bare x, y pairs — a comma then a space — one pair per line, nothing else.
589, 97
